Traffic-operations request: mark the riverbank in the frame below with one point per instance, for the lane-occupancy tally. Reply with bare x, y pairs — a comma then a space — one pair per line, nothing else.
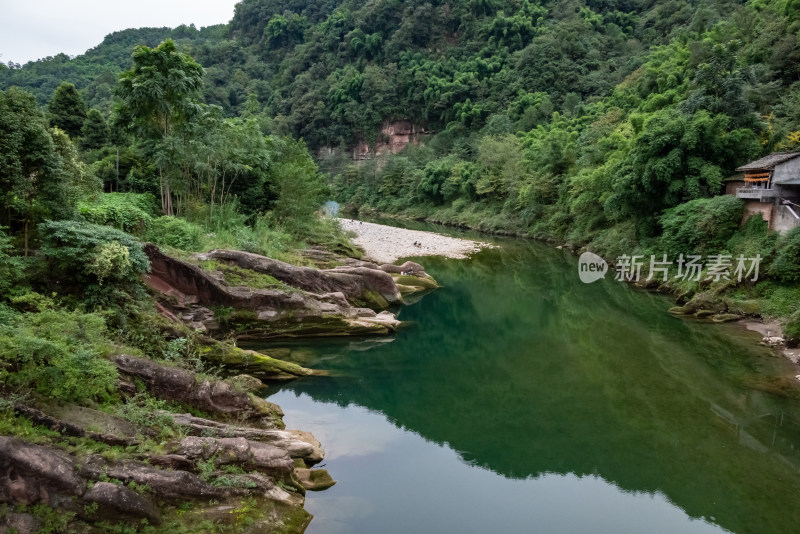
387, 244
768, 315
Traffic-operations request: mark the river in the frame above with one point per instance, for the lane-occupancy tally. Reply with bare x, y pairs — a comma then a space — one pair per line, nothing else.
518, 399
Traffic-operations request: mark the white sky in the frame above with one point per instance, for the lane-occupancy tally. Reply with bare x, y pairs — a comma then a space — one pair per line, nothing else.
33, 29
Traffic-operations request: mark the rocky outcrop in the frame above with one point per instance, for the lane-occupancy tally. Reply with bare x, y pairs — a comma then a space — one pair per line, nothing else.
396, 135
190, 293
251, 455
113, 499
214, 396
360, 285
298, 444
30, 474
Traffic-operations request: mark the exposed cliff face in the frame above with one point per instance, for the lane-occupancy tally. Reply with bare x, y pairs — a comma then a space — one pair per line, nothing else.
395, 136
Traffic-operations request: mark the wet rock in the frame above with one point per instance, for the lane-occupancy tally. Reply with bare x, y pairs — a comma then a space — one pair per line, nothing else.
113, 499
315, 479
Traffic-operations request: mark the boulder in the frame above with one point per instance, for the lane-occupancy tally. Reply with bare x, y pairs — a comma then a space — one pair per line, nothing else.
296, 443
20, 524
174, 486
32, 473
173, 383
113, 499
315, 479
264, 457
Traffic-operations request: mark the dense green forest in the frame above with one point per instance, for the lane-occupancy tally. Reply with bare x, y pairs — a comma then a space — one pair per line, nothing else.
596, 123
608, 125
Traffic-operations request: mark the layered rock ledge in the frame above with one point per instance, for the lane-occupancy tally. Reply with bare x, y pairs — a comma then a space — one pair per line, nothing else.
349, 299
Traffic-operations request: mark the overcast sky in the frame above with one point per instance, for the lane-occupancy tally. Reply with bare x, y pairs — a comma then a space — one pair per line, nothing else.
33, 29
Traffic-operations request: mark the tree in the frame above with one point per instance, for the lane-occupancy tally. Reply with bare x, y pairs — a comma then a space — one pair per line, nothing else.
32, 184
95, 131
67, 109
158, 96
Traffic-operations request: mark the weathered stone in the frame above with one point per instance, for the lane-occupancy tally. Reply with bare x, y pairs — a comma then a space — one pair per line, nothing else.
265, 313
165, 484
315, 479
113, 499
32, 473
245, 383
360, 285
264, 457
82, 416
20, 524
296, 443
172, 383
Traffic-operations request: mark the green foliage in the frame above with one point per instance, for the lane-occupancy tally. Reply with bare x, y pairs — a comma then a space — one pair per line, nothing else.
175, 232
300, 187
10, 265
701, 226
67, 109
88, 258
786, 266
58, 354
32, 186
142, 409
94, 132
129, 212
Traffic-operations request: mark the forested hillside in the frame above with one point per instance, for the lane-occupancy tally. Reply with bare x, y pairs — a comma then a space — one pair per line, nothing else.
586, 122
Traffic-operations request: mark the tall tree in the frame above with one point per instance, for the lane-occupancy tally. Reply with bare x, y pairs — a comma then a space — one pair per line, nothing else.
95, 130
158, 96
67, 109
32, 184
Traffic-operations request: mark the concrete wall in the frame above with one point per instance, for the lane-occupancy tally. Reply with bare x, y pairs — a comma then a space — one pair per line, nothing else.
753, 207
783, 220
788, 170
733, 185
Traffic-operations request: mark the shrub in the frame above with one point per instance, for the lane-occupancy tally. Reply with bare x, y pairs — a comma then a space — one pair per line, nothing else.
786, 266
130, 212
101, 263
10, 266
175, 232
59, 354
701, 226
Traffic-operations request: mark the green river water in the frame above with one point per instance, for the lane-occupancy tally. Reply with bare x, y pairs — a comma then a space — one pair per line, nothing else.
518, 399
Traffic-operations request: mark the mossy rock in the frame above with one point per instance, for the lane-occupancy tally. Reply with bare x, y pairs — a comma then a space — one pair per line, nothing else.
702, 314
726, 317
743, 307
259, 365
425, 282
315, 479
679, 310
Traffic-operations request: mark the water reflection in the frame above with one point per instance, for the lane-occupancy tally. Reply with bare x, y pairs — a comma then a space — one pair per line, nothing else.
529, 374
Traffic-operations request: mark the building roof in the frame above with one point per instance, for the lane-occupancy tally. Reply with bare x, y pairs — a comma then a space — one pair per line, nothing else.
767, 163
